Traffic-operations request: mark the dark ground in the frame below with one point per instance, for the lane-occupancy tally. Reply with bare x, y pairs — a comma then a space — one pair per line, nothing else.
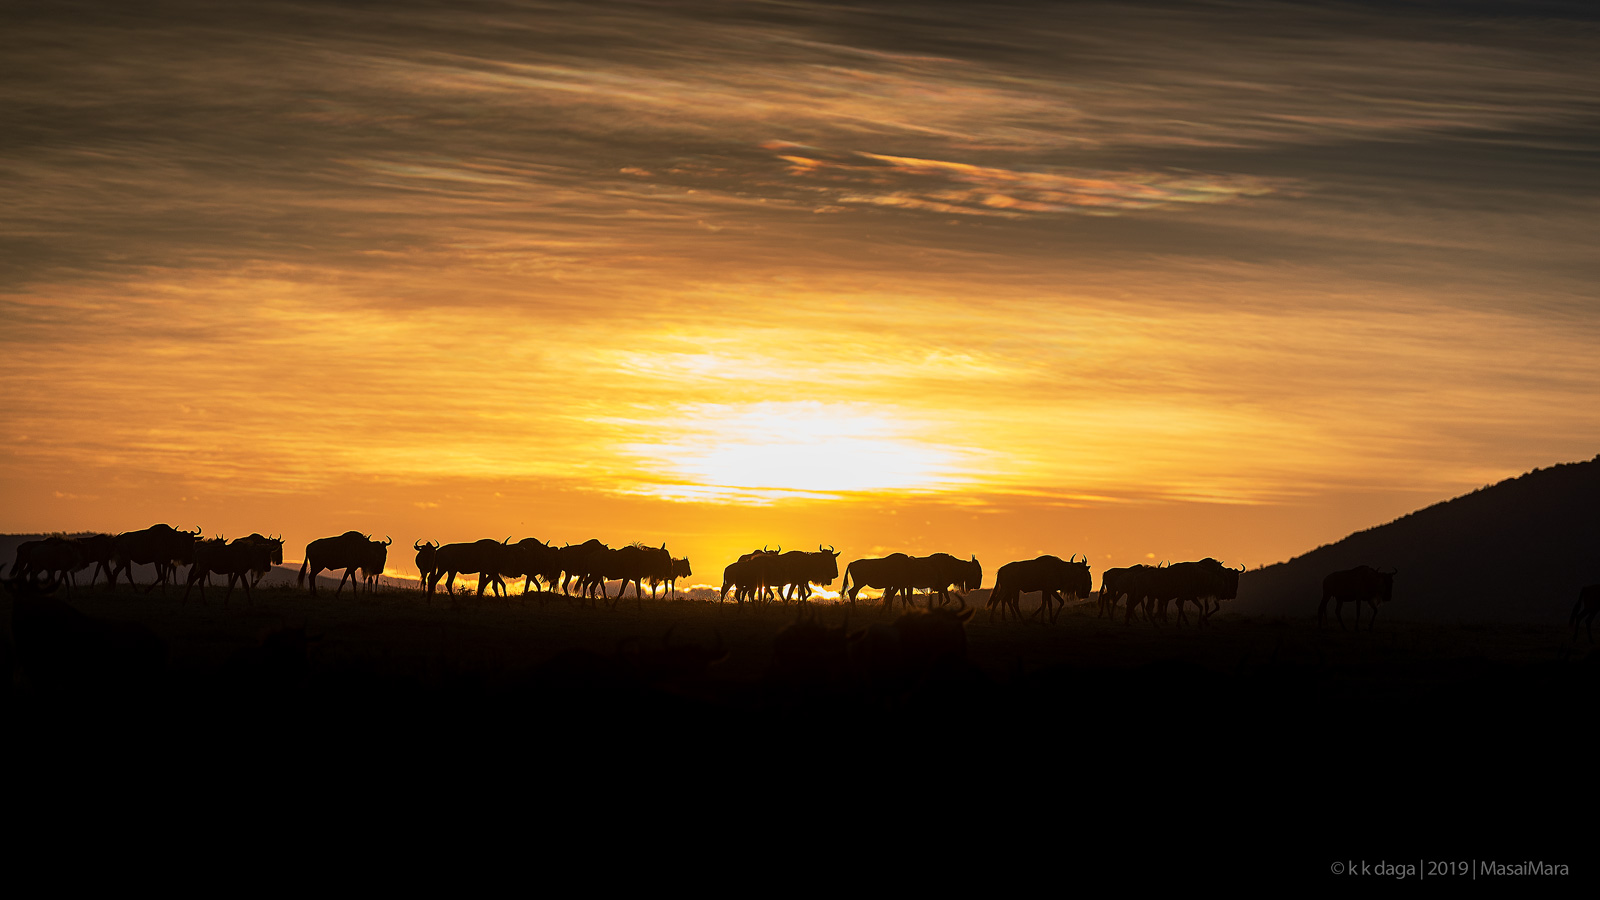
1413, 740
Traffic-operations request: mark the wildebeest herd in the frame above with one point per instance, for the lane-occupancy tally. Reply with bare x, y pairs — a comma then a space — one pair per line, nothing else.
763, 575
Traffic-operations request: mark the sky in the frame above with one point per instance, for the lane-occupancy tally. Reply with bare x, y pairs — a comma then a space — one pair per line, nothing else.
1136, 281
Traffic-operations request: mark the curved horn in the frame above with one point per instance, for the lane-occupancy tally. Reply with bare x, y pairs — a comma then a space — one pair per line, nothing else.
416, 545
506, 541
387, 540
196, 531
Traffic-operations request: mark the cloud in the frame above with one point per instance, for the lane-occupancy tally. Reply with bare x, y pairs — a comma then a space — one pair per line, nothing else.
963, 188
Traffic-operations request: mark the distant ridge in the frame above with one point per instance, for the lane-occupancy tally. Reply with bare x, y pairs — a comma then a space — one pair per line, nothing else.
1516, 551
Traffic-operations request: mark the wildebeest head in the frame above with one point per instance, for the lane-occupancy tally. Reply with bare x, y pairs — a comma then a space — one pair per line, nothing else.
274, 546
377, 556
425, 554
1385, 591
933, 639
826, 566
680, 568
973, 577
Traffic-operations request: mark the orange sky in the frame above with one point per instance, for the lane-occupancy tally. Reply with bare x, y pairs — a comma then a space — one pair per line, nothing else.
1149, 284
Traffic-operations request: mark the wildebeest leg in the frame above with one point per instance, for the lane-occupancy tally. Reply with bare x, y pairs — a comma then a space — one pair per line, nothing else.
1338, 613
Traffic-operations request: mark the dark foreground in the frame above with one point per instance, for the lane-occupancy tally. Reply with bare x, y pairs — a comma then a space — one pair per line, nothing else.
1412, 740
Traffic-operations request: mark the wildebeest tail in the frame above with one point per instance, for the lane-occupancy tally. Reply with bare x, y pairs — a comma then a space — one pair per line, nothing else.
301, 581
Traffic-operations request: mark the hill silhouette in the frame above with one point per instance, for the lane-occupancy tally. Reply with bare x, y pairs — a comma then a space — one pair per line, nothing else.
1515, 551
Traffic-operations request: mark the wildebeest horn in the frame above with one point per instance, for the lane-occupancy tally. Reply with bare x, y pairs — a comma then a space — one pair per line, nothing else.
506, 541
416, 545
196, 532
387, 540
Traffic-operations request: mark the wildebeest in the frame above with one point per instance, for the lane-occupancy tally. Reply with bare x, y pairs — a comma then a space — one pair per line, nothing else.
349, 551
425, 555
238, 560
274, 557
1585, 609
61, 649
163, 546
1114, 583
809, 660
936, 573
680, 569
1363, 584
919, 647
1205, 582
57, 557
573, 559
889, 574
377, 560
744, 575
531, 558
637, 562
97, 551
794, 571
485, 557
1050, 576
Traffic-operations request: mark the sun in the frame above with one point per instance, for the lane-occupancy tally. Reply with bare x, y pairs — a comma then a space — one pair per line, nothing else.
770, 449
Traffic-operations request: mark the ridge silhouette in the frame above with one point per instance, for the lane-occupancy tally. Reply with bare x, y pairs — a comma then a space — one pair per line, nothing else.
1518, 550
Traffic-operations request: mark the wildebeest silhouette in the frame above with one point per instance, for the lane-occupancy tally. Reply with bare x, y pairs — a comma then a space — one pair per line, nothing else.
809, 659
919, 646
274, 557
56, 557
574, 560
1363, 584
238, 560
60, 649
1114, 584
680, 569
425, 558
485, 557
1050, 576
163, 546
673, 661
532, 558
890, 574
350, 551
744, 575
1205, 582
793, 572
937, 572
1585, 609
636, 562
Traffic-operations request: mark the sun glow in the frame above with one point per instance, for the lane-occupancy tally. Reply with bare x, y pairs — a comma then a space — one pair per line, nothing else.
763, 451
